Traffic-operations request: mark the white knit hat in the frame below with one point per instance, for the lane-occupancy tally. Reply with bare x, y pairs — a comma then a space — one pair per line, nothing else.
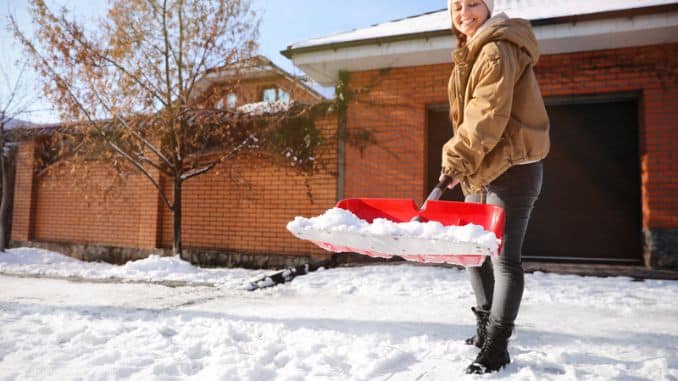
488, 3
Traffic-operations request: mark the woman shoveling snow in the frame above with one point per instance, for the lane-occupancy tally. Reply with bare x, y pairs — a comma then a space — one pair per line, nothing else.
501, 134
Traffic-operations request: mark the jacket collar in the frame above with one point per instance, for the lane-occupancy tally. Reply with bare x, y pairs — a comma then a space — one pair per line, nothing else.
488, 23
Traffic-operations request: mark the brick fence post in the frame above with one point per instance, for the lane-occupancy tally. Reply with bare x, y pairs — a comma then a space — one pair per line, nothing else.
149, 216
24, 195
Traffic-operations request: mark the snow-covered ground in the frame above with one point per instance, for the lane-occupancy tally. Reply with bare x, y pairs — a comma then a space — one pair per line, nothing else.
27, 261
389, 322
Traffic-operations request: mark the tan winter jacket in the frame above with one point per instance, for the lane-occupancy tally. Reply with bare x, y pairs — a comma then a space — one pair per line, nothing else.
497, 111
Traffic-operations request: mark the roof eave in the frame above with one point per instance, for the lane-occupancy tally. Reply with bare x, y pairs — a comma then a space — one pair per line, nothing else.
290, 52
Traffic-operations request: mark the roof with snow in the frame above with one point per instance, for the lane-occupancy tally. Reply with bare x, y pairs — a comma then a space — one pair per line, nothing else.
252, 68
440, 20
244, 113
561, 26
17, 123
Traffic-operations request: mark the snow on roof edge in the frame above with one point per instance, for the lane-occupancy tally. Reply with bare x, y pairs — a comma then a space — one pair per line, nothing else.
438, 21
292, 45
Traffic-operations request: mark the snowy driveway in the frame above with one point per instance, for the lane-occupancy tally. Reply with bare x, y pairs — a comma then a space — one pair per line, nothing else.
399, 322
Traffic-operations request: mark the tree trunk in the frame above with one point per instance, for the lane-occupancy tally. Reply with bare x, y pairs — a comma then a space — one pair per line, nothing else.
4, 204
176, 212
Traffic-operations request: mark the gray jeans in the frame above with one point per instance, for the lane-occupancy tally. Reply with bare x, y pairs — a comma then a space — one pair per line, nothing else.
498, 284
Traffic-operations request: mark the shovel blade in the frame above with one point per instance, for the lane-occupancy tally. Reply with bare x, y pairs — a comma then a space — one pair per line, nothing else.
448, 213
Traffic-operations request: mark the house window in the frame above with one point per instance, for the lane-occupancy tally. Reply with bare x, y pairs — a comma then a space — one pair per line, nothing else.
283, 96
269, 94
231, 100
272, 94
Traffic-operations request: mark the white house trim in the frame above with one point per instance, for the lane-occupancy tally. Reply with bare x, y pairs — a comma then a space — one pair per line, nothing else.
324, 64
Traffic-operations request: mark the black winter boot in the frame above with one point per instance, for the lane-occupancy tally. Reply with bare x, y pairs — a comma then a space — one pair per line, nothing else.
494, 354
481, 328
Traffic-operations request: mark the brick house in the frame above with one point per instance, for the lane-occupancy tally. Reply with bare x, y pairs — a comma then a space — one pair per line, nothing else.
227, 222
257, 79
609, 75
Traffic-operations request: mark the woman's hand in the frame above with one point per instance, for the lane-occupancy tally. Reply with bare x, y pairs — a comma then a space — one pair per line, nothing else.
452, 184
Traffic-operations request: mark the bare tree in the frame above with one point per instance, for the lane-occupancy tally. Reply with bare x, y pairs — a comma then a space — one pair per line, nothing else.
129, 87
15, 101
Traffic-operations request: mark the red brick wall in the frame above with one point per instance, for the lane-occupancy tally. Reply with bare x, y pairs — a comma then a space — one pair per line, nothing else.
393, 105
217, 214
69, 209
249, 214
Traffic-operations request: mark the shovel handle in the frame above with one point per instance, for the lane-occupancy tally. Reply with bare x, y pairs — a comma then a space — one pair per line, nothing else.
439, 189
435, 194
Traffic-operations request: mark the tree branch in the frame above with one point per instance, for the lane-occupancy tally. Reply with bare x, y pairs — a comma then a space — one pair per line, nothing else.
180, 64
212, 164
59, 159
71, 27
52, 73
143, 171
137, 135
168, 81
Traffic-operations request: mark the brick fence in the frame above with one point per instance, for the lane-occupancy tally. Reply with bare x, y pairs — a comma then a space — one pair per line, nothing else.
230, 215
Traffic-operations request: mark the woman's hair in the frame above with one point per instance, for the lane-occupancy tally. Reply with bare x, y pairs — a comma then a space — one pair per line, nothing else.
461, 37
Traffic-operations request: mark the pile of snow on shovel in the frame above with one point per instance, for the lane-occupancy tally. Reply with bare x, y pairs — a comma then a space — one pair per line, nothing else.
342, 228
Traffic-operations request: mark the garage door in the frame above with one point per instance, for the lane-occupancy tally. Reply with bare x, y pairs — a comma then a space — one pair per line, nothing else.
590, 208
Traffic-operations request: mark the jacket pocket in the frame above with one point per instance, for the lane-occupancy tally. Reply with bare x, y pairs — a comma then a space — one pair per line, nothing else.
517, 151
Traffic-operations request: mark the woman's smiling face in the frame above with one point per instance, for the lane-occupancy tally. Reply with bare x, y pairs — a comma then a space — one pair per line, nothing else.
469, 15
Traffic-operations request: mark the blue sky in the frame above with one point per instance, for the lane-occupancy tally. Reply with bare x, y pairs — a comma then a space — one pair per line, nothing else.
283, 22
288, 21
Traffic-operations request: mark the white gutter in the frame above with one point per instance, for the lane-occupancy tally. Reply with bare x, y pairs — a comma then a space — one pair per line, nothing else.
323, 66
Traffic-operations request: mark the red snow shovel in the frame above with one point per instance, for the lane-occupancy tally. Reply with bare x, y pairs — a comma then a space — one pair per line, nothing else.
448, 213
